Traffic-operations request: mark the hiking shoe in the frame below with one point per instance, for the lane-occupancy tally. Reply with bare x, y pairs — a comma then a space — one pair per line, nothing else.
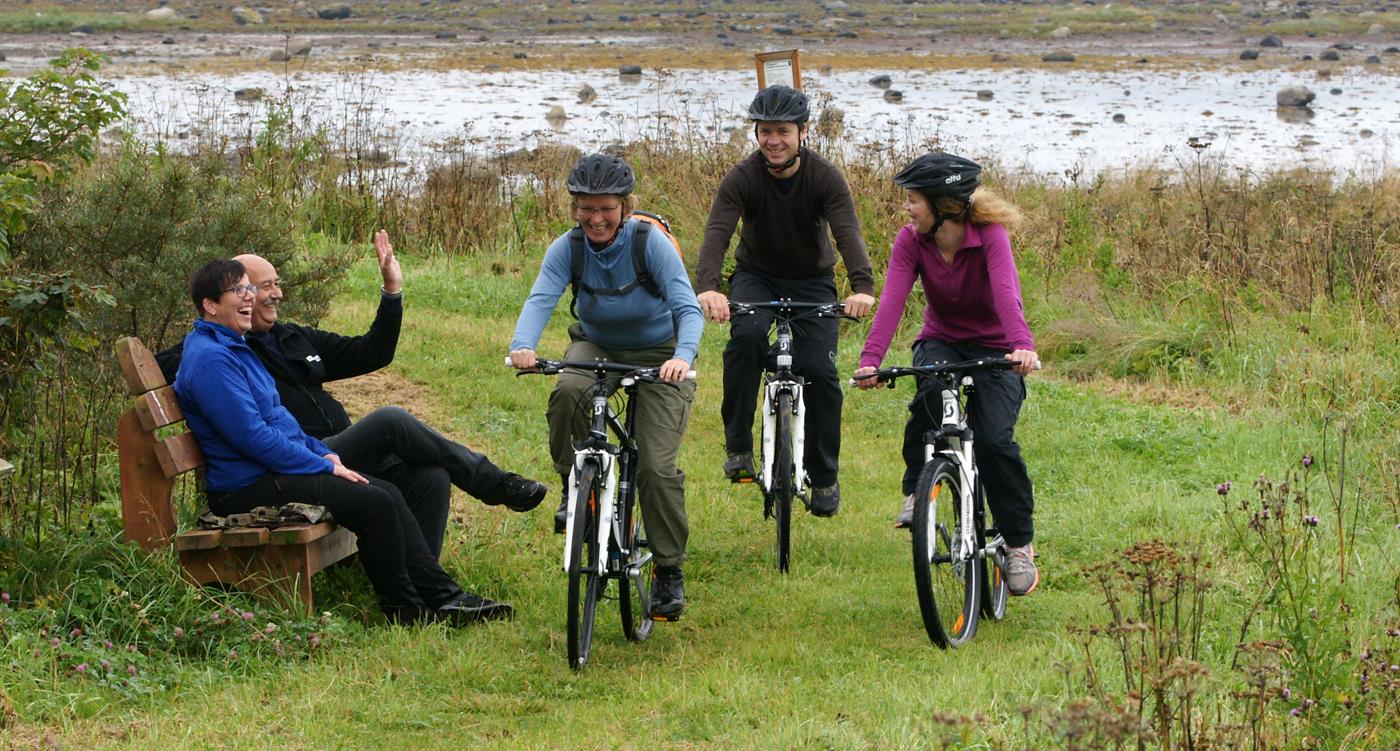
520, 493
1021, 573
905, 518
739, 467
469, 608
826, 501
668, 594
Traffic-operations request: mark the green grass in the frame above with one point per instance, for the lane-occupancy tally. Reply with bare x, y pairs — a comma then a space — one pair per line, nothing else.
831, 655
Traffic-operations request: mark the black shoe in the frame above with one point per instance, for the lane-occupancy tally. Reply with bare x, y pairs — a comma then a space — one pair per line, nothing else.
668, 594
468, 608
826, 501
519, 493
739, 467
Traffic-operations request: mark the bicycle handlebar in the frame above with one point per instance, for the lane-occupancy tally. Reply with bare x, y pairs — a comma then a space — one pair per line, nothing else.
889, 375
792, 310
599, 367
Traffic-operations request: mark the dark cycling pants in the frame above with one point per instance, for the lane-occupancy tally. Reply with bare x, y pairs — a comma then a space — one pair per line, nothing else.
814, 358
393, 445
404, 572
992, 410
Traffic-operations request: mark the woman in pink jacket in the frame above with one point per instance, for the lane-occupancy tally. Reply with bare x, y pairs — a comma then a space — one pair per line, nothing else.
956, 245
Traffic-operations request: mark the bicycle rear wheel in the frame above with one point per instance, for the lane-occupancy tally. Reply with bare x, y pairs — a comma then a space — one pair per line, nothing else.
783, 480
634, 593
947, 577
583, 567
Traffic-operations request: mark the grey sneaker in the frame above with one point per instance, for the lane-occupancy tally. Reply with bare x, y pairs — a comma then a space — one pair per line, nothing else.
1021, 573
739, 467
826, 501
905, 518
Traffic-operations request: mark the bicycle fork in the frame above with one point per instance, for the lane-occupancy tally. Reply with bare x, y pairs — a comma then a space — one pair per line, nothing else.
770, 429
608, 472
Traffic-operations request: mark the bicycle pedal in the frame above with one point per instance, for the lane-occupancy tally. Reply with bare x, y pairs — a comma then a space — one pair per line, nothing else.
742, 480
664, 618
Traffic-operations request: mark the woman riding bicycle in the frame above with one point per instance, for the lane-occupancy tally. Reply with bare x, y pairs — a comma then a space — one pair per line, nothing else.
625, 319
956, 244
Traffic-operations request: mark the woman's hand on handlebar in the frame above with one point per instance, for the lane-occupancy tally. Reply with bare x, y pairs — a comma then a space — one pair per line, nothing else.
1026, 361
714, 305
674, 370
864, 378
859, 304
523, 359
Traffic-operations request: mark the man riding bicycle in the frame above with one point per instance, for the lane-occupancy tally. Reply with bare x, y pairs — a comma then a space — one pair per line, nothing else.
788, 196
622, 318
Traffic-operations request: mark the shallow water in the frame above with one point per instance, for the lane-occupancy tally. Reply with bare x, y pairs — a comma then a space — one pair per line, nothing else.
1046, 121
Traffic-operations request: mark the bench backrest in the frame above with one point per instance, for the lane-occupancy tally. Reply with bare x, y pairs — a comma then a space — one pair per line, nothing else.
151, 450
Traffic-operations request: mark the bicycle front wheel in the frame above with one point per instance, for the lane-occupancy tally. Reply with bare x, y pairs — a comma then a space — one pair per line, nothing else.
783, 480
583, 567
634, 591
947, 575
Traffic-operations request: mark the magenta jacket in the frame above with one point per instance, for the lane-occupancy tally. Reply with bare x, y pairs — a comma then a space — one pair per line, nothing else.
974, 300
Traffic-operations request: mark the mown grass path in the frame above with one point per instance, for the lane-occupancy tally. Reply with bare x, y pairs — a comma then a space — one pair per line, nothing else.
831, 655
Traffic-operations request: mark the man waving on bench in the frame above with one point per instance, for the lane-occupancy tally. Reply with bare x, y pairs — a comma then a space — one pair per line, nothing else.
389, 442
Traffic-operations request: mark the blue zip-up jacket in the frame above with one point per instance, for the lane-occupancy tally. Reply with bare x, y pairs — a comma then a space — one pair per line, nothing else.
632, 321
232, 408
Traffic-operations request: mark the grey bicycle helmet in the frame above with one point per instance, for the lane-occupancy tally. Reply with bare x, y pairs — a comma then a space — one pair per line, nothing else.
779, 103
940, 175
600, 174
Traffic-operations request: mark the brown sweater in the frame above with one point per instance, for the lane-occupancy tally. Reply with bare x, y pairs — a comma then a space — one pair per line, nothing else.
785, 227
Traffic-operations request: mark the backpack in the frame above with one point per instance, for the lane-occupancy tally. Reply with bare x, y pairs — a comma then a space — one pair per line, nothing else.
646, 221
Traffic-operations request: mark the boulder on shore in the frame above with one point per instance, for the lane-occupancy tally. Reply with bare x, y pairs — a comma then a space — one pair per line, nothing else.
1294, 96
244, 16
334, 11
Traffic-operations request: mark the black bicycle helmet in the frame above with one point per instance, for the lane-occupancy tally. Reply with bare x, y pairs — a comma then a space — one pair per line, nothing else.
779, 103
600, 174
940, 175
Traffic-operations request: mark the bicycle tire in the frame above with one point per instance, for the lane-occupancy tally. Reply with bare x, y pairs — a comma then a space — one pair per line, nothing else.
583, 568
946, 579
995, 590
634, 595
783, 480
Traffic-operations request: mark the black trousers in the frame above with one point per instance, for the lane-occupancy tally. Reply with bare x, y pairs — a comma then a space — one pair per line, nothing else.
992, 410
404, 571
814, 358
393, 445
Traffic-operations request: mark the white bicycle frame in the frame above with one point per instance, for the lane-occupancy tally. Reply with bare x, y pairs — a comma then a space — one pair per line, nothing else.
960, 452
608, 467
770, 429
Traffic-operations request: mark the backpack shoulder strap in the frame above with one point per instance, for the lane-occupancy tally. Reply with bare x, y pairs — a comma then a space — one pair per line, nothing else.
576, 252
640, 239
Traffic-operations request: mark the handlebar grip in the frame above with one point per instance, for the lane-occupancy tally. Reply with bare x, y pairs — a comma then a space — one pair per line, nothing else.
508, 361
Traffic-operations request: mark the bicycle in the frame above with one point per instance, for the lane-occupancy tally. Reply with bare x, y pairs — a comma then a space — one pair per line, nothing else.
603, 515
951, 543
781, 476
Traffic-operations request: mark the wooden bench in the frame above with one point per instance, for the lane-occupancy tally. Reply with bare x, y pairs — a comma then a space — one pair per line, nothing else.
154, 450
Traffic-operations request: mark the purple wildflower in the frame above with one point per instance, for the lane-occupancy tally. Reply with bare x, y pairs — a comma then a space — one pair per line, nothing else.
106, 643
1307, 460
1287, 692
106, 665
178, 632
1311, 520
247, 616
131, 669
81, 667
271, 627
5, 597
233, 654
1294, 712
1224, 487
75, 633
54, 642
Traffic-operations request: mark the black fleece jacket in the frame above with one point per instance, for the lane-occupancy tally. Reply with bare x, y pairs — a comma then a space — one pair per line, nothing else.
302, 358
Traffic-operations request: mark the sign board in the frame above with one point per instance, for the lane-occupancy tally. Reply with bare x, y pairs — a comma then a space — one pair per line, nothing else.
778, 68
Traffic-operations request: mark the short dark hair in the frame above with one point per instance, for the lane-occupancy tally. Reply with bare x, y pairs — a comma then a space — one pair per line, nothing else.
209, 281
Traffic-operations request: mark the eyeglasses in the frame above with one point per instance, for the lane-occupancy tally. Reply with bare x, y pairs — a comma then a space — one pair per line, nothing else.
587, 212
242, 290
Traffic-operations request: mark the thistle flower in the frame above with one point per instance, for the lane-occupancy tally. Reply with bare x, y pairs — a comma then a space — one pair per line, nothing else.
1224, 487
1311, 520
130, 669
80, 667
1307, 460
247, 616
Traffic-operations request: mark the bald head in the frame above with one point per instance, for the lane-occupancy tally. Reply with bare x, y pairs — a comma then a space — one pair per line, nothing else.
262, 275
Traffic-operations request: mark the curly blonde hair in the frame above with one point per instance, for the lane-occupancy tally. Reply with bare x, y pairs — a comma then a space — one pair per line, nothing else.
987, 208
